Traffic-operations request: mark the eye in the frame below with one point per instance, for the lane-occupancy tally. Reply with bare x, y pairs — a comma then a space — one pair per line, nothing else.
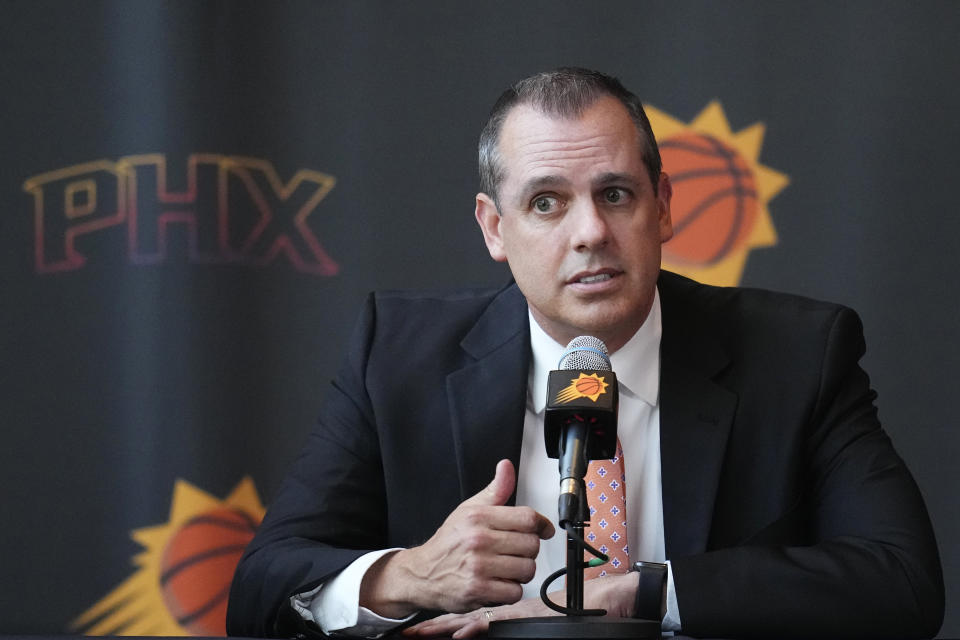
545, 204
615, 195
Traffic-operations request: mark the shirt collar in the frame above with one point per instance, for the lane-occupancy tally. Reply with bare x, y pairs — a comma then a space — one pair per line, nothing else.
637, 363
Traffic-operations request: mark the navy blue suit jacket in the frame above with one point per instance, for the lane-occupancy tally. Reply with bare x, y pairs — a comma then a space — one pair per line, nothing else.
786, 510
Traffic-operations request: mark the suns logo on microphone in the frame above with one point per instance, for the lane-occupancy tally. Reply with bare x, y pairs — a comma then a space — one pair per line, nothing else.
720, 194
585, 386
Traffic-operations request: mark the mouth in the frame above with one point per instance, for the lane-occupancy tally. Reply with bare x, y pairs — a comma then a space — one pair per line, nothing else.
593, 277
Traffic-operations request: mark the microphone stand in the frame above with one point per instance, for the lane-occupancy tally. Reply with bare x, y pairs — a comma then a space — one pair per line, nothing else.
570, 625
575, 567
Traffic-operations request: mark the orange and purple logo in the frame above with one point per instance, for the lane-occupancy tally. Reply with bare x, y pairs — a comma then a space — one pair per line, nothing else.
183, 575
720, 194
584, 386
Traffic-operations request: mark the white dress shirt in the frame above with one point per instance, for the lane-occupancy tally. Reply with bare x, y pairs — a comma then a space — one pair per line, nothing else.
637, 365
334, 606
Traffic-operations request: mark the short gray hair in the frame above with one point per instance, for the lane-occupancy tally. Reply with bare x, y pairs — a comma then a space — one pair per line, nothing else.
564, 92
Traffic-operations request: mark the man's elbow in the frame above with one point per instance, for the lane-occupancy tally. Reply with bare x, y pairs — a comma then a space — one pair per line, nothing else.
930, 603
243, 604
919, 609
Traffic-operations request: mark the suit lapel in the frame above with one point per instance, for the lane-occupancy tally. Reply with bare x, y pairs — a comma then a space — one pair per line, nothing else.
696, 415
488, 397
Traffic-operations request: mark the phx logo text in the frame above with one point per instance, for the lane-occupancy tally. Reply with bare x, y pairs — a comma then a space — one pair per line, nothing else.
229, 210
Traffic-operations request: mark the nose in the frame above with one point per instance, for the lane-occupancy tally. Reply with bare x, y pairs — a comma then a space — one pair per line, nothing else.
590, 229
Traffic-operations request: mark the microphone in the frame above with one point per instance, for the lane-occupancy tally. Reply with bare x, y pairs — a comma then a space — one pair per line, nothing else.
580, 421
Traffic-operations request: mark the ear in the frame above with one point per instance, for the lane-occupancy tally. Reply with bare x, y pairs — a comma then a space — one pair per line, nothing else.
664, 193
488, 217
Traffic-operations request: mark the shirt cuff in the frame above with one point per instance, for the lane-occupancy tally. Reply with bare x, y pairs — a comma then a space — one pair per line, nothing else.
335, 605
671, 620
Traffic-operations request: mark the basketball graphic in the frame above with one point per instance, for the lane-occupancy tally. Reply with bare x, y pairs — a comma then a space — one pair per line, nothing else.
588, 386
198, 565
721, 193
183, 573
714, 203
584, 386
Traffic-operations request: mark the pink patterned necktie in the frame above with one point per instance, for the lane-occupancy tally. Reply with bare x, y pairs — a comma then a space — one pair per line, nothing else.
607, 498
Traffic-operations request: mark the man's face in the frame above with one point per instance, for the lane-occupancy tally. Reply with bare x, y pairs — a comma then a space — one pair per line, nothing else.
580, 224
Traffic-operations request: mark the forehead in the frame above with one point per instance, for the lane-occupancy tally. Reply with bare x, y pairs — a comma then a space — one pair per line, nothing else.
534, 144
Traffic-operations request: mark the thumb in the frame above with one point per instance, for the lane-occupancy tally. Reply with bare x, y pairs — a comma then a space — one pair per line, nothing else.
500, 488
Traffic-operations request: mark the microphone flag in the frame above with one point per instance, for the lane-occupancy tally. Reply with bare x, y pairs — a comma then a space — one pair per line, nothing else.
583, 390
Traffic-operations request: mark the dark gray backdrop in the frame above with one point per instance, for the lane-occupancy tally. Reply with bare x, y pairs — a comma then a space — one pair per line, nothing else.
118, 378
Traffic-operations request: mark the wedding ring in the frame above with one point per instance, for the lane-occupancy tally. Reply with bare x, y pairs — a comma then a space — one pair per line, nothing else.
489, 614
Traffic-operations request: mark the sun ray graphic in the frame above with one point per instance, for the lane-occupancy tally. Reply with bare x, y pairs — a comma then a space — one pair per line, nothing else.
720, 194
184, 561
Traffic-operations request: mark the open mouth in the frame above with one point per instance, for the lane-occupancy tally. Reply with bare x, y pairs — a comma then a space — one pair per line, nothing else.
600, 277
594, 277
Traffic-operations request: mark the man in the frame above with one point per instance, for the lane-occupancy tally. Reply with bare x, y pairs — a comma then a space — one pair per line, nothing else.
755, 463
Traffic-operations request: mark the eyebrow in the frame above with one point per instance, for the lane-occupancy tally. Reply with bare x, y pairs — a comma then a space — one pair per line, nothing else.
616, 178
541, 182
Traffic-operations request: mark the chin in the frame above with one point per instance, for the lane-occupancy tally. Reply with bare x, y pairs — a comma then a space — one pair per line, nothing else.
610, 327
600, 330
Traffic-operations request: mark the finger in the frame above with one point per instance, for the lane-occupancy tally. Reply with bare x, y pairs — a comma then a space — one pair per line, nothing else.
444, 625
501, 518
481, 541
493, 591
545, 528
500, 489
471, 629
509, 569
424, 629
511, 543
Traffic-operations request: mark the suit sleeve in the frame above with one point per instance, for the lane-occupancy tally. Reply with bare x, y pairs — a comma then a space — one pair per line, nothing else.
329, 511
871, 569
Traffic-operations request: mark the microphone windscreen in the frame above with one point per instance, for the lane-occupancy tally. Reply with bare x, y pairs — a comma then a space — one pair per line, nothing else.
585, 352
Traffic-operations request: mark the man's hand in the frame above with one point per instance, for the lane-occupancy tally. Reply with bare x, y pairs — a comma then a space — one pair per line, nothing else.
616, 594
480, 555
